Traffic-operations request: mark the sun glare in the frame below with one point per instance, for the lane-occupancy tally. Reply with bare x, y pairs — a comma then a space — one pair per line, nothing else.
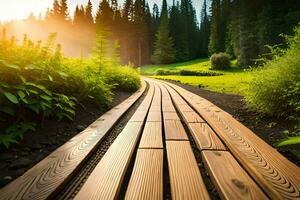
20, 9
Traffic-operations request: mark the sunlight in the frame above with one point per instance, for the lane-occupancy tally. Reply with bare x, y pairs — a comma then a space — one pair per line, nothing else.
16, 9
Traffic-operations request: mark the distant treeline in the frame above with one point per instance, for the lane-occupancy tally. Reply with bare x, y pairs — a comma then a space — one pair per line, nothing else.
143, 35
243, 28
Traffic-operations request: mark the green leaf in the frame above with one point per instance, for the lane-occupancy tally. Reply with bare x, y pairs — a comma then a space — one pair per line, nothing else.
21, 94
4, 85
33, 91
12, 66
46, 97
7, 140
289, 141
8, 110
23, 79
34, 108
50, 78
12, 98
25, 101
296, 153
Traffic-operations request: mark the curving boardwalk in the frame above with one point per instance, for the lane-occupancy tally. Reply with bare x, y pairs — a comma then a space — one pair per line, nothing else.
156, 145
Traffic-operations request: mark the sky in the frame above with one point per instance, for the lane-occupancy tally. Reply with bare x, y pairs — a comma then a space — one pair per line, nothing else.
20, 9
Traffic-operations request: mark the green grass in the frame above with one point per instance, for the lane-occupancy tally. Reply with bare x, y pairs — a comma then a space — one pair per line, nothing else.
234, 81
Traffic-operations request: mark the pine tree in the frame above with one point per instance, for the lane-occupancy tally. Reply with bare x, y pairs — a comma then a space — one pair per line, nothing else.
128, 10
164, 51
204, 31
174, 27
56, 10
215, 30
63, 10
225, 13
88, 14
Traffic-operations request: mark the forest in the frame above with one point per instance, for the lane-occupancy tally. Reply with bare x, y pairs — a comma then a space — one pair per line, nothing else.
240, 28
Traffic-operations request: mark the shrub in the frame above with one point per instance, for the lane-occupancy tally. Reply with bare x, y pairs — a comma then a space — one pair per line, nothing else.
220, 61
37, 82
123, 78
275, 89
165, 72
198, 73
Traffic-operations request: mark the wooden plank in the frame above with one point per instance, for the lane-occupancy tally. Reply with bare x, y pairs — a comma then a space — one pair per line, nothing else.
174, 130
168, 109
146, 181
205, 137
46, 177
170, 116
191, 117
185, 178
152, 135
155, 108
183, 107
138, 116
154, 116
230, 178
106, 179
278, 177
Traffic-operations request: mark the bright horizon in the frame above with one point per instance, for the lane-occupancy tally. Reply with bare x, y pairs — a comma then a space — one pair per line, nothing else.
21, 9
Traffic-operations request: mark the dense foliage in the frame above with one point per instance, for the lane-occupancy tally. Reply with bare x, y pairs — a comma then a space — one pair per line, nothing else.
243, 28
37, 82
275, 89
220, 61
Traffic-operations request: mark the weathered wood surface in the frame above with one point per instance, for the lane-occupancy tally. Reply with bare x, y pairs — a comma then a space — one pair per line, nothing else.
174, 130
205, 137
230, 178
152, 135
185, 178
51, 173
146, 181
276, 175
106, 179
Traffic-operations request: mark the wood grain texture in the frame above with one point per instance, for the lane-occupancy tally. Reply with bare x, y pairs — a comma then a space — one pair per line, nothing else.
138, 116
185, 178
278, 177
52, 172
205, 137
174, 130
168, 109
106, 179
152, 135
171, 116
146, 181
154, 116
230, 178
191, 117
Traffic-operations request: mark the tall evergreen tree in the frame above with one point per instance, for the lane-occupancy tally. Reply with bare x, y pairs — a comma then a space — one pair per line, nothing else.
164, 51
215, 29
88, 13
56, 10
63, 10
204, 31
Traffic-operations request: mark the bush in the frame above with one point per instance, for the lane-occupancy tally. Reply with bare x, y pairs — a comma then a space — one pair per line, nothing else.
275, 89
220, 61
37, 82
165, 72
198, 73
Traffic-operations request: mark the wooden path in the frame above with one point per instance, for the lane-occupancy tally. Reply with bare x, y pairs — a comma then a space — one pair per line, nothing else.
157, 143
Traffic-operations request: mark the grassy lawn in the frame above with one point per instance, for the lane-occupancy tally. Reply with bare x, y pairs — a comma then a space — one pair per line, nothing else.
233, 81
